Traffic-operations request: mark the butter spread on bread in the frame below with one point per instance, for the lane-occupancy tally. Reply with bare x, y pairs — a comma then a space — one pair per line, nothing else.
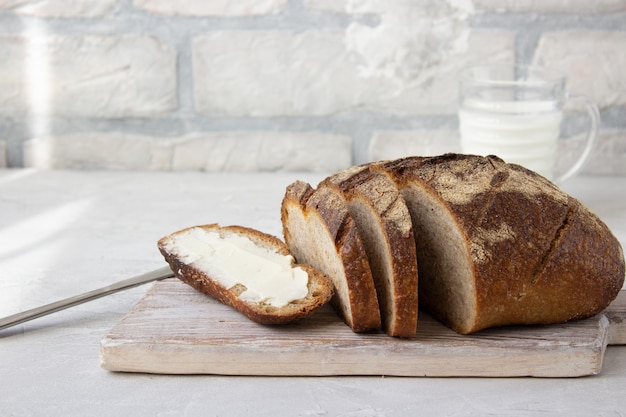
247, 269
235, 260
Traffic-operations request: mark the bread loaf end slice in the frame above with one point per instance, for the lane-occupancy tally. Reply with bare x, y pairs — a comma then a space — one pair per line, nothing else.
500, 245
247, 269
384, 224
319, 231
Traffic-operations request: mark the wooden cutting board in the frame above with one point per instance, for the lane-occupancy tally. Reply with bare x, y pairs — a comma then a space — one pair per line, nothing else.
177, 330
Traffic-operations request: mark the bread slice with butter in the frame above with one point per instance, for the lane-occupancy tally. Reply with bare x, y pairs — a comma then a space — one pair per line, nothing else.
248, 270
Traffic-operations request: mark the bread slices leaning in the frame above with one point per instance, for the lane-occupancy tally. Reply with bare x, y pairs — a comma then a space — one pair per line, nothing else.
248, 270
500, 245
384, 225
319, 231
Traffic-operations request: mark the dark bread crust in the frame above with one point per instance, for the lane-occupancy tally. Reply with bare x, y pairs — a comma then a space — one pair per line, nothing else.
391, 249
538, 255
319, 286
357, 302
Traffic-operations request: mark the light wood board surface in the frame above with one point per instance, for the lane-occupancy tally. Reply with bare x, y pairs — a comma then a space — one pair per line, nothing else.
174, 329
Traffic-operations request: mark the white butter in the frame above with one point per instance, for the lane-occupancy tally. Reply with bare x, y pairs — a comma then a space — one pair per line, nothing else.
268, 276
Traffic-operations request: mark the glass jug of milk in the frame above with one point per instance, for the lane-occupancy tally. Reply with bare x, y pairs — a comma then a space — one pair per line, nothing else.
515, 113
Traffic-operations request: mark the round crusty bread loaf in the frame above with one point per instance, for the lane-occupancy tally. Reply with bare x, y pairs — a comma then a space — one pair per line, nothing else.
384, 224
320, 288
319, 231
498, 244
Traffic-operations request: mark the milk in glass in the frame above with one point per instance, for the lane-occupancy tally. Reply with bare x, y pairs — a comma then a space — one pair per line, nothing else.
522, 132
515, 112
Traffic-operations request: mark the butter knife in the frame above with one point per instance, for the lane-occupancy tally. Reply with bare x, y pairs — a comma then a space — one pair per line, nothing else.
156, 275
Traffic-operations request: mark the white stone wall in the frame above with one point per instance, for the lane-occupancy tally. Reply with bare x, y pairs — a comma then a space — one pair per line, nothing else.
281, 84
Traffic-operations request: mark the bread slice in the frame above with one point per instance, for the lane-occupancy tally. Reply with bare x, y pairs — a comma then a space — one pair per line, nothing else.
384, 224
319, 231
207, 268
500, 245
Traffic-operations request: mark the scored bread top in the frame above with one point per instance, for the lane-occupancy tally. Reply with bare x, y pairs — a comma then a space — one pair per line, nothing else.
530, 252
320, 289
385, 228
319, 231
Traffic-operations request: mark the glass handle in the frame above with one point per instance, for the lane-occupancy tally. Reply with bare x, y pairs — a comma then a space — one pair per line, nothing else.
592, 134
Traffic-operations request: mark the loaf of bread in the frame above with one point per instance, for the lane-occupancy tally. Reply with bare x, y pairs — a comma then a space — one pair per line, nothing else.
500, 245
249, 270
384, 225
319, 230
493, 244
